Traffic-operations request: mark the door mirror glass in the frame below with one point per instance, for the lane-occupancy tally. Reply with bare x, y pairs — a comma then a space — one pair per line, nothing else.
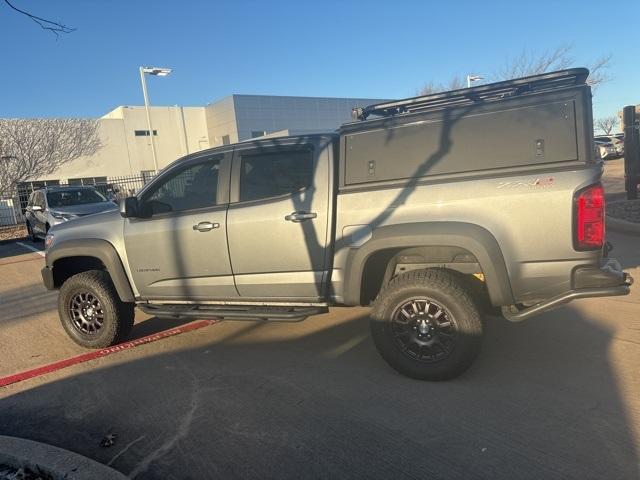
129, 207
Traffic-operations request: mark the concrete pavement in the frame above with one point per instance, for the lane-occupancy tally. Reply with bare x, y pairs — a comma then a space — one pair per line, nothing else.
554, 397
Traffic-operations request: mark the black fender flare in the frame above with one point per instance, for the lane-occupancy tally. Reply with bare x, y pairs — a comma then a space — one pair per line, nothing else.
97, 248
477, 240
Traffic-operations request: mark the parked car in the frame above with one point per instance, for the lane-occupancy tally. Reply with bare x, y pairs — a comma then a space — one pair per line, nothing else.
615, 140
605, 150
51, 206
410, 208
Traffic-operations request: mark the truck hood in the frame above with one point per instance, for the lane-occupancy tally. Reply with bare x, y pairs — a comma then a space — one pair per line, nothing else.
89, 226
87, 209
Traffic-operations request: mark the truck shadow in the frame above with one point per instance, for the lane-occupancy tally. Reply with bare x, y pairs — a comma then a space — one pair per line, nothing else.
314, 400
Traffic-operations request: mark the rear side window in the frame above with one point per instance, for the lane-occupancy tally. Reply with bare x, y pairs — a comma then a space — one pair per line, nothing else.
266, 175
193, 187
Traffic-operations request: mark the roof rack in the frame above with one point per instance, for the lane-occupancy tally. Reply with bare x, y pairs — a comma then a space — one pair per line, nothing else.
481, 93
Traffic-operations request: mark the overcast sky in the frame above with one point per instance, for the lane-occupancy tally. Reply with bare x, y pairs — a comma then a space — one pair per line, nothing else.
375, 49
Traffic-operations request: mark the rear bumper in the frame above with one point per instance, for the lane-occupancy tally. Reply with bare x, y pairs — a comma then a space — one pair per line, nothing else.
47, 277
606, 280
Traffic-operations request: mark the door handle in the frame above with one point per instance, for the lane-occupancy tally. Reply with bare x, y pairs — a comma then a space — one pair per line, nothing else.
206, 226
300, 216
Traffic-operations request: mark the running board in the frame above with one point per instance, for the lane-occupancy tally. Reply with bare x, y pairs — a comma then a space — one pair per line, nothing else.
232, 312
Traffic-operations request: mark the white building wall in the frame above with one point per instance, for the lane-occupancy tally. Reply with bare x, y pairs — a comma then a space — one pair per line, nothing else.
221, 121
183, 130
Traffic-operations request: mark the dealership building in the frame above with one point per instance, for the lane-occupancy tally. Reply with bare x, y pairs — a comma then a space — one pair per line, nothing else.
178, 131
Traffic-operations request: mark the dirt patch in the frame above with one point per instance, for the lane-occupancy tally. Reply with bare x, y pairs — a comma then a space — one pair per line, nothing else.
14, 232
628, 210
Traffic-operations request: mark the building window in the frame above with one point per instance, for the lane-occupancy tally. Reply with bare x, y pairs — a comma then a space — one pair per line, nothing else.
226, 140
258, 133
87, 181
145, 133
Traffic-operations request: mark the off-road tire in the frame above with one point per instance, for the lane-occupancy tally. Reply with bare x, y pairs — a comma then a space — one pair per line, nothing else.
117, 315
443, 290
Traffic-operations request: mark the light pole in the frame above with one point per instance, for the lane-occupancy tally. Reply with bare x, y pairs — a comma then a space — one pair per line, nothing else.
472, 78
158, 72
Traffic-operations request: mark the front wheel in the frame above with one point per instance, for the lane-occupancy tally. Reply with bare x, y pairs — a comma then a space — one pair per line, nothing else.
91, 311
426, 326
31, 234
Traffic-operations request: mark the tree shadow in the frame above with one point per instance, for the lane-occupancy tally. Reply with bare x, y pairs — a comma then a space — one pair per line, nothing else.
314, 400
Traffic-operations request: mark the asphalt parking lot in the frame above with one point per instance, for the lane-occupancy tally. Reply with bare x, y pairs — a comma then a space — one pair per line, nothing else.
554, 397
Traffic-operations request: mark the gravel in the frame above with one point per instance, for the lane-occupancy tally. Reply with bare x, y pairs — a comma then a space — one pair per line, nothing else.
628, 210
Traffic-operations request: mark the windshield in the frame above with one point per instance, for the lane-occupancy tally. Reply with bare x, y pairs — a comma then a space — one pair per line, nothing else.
78, 196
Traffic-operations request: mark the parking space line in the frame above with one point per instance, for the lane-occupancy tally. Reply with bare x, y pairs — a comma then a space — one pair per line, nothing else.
33, 249
85, 357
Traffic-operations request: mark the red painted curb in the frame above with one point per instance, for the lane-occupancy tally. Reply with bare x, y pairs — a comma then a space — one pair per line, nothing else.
85, 357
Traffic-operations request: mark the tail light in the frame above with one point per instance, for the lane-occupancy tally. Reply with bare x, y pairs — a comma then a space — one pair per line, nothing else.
589, 208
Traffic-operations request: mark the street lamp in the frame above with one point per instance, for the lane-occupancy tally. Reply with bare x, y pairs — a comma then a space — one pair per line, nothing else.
158, 72
472, 78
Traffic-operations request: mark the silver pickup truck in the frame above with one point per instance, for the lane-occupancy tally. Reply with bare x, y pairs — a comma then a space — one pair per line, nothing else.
433, 210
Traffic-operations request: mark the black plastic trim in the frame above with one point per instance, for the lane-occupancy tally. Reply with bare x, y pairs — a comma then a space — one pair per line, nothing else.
477, 240
47, 278
97, 248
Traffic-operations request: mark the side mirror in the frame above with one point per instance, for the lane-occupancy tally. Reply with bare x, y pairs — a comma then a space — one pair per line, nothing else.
36, 208
129, 207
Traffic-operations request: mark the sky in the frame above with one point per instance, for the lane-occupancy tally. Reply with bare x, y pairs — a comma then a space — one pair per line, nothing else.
374, 49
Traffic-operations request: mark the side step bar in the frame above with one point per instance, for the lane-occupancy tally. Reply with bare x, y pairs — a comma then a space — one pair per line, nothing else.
232, 312
513, 314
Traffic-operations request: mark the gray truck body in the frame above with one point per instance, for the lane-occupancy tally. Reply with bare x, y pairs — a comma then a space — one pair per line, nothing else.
483, 186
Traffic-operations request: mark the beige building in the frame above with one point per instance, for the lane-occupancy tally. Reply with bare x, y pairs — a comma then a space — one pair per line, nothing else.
179, 131
126, 145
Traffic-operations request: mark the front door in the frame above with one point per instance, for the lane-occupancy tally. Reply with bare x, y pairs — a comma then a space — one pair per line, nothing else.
278, 219
40, 216
178, 249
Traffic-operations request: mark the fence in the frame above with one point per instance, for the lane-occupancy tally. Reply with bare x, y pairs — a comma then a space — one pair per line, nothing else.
12, 216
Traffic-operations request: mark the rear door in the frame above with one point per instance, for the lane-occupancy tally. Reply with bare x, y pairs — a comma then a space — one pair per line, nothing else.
178, 249
278, 220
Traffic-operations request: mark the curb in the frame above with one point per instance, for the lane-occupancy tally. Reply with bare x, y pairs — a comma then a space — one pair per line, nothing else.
19, 452
622, 226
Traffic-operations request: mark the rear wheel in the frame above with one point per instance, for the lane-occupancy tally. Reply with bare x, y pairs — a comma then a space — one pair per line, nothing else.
426, 326
91, 312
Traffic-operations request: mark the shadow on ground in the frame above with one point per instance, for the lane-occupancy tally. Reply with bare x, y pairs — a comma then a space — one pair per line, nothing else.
316, 401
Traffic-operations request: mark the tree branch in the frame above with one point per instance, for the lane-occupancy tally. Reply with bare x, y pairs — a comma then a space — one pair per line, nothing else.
54, 27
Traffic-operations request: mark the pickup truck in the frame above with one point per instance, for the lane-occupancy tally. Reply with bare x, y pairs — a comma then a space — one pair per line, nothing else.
433, 210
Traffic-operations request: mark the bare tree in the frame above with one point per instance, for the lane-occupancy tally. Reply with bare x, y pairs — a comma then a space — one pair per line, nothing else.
530, 63
32, 148
454, 83
52, 26
607, 124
